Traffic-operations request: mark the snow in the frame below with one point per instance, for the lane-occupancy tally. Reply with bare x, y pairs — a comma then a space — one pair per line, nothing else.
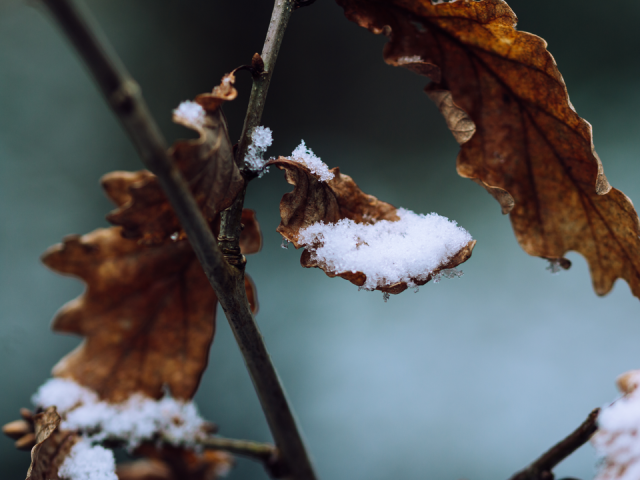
386, 252
304, 155
405, 60
88, 462
261, 139
138, 419
618, 436
190, 113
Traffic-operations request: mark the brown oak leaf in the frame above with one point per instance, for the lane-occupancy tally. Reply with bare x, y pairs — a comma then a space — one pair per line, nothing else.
506, 103
51, 448
207, 164
175, 463
148, 315
313, 201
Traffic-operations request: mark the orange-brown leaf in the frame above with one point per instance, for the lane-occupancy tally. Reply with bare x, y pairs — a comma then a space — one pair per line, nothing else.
176, 463
52, 446
148, 315
314, 201
207, 164
505, 101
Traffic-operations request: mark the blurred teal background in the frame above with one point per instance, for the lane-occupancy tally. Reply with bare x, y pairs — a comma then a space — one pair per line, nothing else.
470, 378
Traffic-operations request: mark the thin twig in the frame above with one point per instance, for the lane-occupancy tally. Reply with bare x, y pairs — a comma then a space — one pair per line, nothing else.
264, 452
542, 468
123, 95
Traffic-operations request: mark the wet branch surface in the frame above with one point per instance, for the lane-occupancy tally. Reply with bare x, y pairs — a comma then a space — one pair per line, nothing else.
541, 469
227, 278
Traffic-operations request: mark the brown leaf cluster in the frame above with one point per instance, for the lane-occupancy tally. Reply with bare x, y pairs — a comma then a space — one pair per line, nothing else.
506, 103
207, 163
313, 201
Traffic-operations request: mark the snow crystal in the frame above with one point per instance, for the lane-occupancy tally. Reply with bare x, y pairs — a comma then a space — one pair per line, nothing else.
618, 435
261, 139
386, 252
304, 155
138, 419
64, 394
88, 462
405, 60
190, 113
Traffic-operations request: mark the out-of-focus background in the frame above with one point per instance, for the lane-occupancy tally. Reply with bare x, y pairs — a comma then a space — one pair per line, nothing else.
470, 378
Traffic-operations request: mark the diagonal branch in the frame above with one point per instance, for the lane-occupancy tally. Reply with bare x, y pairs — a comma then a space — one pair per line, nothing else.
542, 468
123, 95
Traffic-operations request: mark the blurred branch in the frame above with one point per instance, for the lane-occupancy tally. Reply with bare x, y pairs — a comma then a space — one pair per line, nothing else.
542, 468
123, 95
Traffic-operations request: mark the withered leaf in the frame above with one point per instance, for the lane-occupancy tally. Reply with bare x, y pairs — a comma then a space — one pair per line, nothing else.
314, 201
175, 463
207, 164
148, 315
52, 446
505, 101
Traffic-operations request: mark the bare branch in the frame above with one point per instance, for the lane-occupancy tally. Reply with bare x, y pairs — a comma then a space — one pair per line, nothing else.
542, 468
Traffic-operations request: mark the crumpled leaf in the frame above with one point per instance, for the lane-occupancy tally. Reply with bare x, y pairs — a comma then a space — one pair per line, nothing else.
314, 201
505, 101
52, 446
175, 463
148, 315
207, 164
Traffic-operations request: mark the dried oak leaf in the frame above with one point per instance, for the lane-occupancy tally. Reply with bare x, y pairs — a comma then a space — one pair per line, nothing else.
207, 164
506, 103
175, 463
147, 315
51, 448
313, 201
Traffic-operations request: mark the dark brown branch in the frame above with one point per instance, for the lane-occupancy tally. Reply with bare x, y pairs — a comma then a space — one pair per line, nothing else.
123, 95
542, 468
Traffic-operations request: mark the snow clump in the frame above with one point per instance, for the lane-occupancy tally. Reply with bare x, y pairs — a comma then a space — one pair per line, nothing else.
304, 155
261, 139
88, 462
137, 419
190, 113
406, 59
386, 252
617, 440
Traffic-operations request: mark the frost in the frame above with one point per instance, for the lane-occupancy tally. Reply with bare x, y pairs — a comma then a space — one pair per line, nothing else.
447, 273
405, 60
387, 252
304, 155
618, 435
285, 243
88, 462
386, 296
190, 113
138, 419
261, 139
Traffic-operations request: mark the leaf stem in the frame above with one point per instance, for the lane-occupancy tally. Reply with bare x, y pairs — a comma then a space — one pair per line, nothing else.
542, 468
123, 95
264, 452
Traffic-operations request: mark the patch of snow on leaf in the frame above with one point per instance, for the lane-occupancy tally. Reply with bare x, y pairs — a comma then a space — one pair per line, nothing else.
88, 462
190, 113
304, 155
405, 60
261, 139
386, 252
138, 419
618, 437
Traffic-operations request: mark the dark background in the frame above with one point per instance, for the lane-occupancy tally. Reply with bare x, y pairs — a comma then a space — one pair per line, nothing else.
470, 378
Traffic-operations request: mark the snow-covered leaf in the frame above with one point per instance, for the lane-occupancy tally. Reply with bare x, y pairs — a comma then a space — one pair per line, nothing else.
350, 234
207, 164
